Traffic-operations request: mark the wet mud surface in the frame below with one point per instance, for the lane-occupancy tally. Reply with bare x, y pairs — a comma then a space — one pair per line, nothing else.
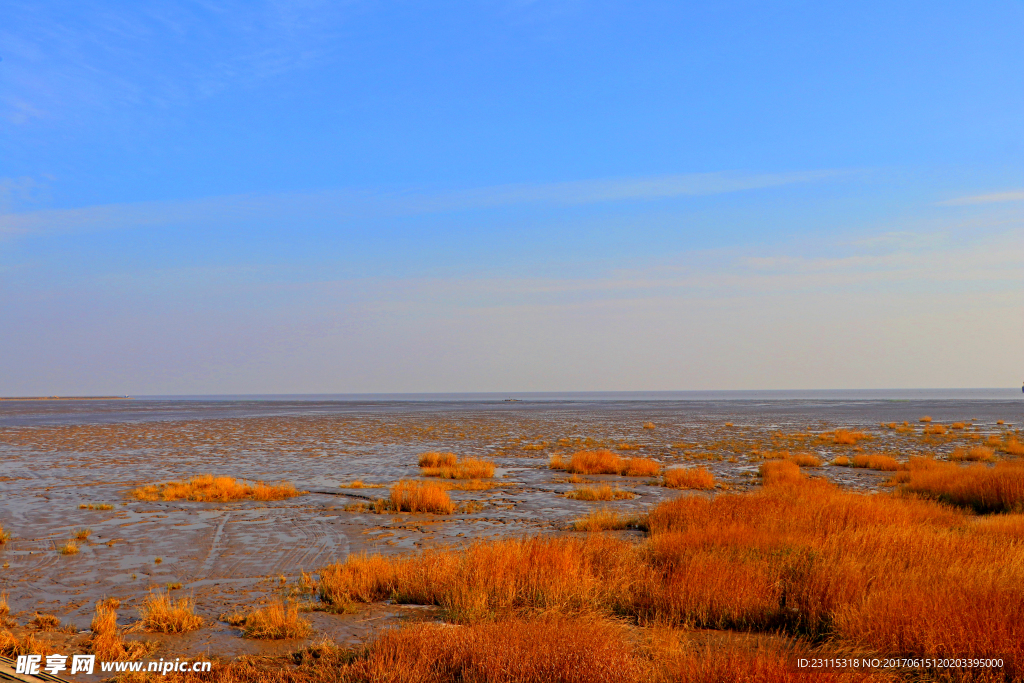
234, 556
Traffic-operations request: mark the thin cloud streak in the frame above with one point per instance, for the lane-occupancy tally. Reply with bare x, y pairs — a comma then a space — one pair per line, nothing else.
344, 205
994, 198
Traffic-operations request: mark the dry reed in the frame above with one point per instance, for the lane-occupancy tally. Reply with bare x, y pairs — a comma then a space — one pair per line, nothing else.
206, 487
697, 478
876, 461
161, 613
602, 492
420, 496
278, 620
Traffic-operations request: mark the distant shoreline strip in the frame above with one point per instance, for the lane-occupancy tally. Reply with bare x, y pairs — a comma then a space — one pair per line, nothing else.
65, 398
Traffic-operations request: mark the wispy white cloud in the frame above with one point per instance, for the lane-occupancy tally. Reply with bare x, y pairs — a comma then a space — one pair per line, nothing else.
994, 198
343, 205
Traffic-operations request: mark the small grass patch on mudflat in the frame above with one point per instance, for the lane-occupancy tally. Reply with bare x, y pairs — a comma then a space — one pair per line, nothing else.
603, 461
694, 478
420, 496
279, 620
602, 492
163, 614
207, 487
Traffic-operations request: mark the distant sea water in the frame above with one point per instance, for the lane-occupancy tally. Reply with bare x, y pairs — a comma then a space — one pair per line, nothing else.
862, 406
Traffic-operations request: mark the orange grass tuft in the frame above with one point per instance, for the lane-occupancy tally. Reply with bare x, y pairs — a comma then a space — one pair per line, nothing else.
980, 487
161, 613
435, 459
846, 437
603, 461
4, 535
277, 621
602, 519
926, 418
602, 492
780, 472
806, 460
842, 461
206, 487
936, 429
467, 468
876, 461
420, 496
973, 454
697, 478
107, 641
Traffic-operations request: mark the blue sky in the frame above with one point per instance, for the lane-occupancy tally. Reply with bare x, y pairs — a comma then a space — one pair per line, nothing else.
249, 197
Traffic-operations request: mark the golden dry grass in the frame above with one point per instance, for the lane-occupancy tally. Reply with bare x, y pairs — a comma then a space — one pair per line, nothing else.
602, 519
980, 487
842, 461
806, 460
360, 484
95, 506
696, 478
206, 487
926, 418
44, 622
436, 459
69, 548
82, 534
880, 573
876, 461
603, 461
779, 472
277, 621
4, 535
163, 614
5, 608
973, 454
467, 468
603, 492
936, 429
420, 496
649, 425
846, 437
107, 641
1013, 446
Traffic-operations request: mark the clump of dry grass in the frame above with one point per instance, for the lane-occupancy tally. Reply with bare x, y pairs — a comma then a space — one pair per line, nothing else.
649, 425
467, 468
842, 461
45, 622
95, 506
206, 488
846, 437
1013, 446
69, 548
420, 496
602, 492
436, 459
936, 429
602, 519
780, 472
82, 534
958, 425
806, 460
980, 487
696, 478
973, 454
876, 461
603, 461
359, 484
926, 418
5, 608
107, 641
4, 535
277, 621
163, 614
13, 646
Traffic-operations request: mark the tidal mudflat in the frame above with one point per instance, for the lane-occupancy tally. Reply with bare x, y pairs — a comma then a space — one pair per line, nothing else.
68, 473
